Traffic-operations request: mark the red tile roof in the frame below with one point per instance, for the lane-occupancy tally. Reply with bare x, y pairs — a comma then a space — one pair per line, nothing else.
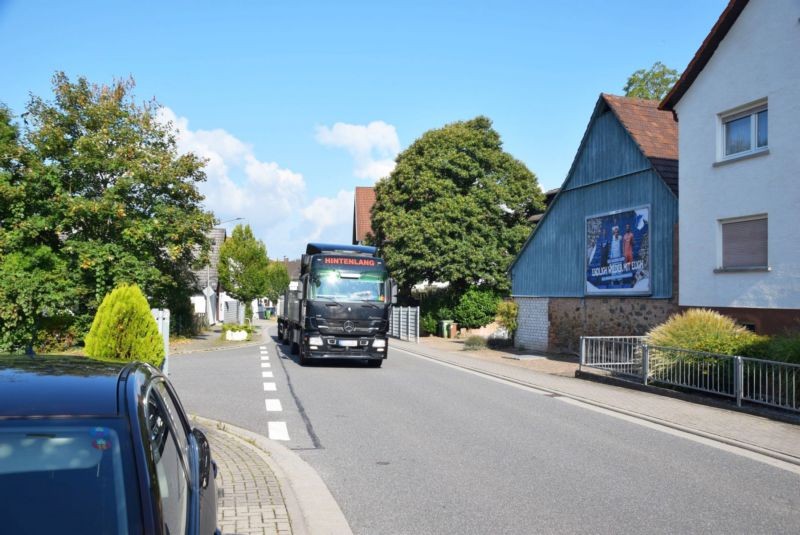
362, 219
704, 53
655, 132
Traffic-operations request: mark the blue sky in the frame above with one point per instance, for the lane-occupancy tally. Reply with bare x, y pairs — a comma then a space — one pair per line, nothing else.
296, 103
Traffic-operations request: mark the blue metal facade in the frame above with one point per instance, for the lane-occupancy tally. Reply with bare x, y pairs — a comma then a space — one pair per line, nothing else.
609, 173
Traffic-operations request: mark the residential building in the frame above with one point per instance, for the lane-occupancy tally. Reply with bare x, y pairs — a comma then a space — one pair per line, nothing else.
207, 302
600, 259
738, 107
362, 216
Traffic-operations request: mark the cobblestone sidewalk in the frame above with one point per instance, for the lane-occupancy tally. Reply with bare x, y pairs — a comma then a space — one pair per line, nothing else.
250, 499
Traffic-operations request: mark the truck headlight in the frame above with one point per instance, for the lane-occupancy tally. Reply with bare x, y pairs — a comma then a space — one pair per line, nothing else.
379, 343
315, 341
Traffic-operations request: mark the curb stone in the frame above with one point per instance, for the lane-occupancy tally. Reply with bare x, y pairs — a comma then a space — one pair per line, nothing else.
311, 506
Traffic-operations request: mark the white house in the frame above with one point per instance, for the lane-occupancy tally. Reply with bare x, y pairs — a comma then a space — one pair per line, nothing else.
738, 110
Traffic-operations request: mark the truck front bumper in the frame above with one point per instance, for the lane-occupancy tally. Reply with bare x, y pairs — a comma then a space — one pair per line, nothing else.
345, 348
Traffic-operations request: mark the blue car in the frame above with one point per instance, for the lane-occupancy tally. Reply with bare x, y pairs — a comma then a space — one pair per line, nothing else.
95, 447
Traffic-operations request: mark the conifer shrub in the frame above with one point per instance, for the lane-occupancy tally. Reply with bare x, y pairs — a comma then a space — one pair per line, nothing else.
124, 329
703, 330
507, 315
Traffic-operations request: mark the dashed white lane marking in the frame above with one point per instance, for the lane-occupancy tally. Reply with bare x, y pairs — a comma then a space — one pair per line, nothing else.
262, 347
270, 387
265, 365
264, 357
264, 353
274, 405
278, 431
267, 375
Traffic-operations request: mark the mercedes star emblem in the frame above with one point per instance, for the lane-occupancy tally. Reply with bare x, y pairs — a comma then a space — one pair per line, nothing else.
348, 326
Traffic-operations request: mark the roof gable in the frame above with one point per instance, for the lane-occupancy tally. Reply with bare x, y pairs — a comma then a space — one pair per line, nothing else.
362, 217
704, 53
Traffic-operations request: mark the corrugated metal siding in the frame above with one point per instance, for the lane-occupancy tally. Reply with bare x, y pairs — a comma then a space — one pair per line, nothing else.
607, 152
552, 263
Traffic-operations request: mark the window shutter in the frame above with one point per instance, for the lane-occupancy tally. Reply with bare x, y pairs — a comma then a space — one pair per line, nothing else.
744, 244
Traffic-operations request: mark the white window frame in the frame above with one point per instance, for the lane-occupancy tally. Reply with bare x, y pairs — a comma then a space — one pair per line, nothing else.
720, 245
752, 109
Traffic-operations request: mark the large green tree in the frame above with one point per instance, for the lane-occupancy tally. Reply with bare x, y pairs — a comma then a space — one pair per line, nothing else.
651, 84
97, 195
277, 280
455, 209
244, 266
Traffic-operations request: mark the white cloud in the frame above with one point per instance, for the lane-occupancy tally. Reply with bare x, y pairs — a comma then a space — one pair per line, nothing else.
239, 184
330, 218
373, 146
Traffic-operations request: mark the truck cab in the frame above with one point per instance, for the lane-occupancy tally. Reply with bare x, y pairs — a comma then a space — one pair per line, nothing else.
339, 308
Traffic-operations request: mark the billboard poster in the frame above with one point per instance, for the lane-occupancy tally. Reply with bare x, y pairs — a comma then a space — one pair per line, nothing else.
618, 253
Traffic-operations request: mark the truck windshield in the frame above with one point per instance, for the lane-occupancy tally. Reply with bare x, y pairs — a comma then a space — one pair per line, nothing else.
343, 285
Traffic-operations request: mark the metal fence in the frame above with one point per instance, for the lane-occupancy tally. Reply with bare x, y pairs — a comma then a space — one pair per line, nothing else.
404, 323
619, 354
161, 315
767, 382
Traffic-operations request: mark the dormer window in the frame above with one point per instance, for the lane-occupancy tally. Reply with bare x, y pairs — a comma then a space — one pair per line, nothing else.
744, 132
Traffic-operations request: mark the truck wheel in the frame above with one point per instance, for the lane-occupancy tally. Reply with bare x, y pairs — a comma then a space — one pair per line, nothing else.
375, 363
295, 348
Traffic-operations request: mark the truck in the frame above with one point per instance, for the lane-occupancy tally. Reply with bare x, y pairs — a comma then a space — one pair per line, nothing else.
339, 307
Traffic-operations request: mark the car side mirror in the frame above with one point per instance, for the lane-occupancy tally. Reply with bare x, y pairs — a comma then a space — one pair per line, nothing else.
204, 454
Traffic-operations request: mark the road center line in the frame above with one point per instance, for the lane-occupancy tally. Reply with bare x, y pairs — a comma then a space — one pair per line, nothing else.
270, 387
264, 357
265, 365
273, 405
267, 375
262, 347
278, 431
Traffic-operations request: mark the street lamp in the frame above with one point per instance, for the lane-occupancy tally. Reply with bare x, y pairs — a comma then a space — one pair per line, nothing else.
231, 220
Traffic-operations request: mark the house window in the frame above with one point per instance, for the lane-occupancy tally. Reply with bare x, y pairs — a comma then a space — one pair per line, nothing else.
745, 132
744, 243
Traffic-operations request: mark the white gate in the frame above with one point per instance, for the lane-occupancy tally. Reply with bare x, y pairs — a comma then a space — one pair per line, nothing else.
404, 323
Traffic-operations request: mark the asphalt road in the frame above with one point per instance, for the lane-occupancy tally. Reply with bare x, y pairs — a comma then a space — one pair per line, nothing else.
418, 447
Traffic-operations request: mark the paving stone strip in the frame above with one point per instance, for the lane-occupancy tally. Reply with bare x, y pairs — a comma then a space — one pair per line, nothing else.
250, 499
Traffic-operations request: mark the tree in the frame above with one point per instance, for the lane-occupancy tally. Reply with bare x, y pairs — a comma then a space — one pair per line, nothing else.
277, 280
97, 181
476, 307
244, 266
455, 209
652, 84
124, 328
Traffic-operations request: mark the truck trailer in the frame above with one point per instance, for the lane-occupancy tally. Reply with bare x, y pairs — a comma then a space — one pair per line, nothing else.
339, 307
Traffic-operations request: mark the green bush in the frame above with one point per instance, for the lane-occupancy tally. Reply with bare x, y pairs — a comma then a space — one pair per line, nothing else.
56, 333
124, 329
704, 330
783, 348
438, 305
428, 323
476, 308
507, 315
238, 328
474, 342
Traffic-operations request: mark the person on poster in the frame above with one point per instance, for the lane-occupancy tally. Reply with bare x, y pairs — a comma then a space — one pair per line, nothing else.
627, 244
616, 243
604, 249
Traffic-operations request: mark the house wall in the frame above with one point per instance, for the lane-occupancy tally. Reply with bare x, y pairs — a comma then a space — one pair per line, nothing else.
610, 173
533, 324
757, 59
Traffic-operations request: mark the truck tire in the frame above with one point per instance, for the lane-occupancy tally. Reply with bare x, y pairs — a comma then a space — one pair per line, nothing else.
375, 363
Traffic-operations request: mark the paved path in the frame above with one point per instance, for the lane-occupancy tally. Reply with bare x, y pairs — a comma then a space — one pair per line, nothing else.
250, 499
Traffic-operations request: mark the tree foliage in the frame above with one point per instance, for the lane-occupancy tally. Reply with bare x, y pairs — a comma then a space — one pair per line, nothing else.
455, 209
476, 307
124, 328
507, 316
651, 84
95, 182
277, 280
244, 266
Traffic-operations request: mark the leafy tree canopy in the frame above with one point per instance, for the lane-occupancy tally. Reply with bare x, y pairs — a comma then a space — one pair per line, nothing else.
455, 209
243, 265
651, 84
277, 280
95, 181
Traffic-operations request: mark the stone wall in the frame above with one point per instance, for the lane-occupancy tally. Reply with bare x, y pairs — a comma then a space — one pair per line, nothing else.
571, 318
533, 323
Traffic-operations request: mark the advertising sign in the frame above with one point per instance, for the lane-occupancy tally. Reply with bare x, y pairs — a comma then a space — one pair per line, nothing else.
618, 253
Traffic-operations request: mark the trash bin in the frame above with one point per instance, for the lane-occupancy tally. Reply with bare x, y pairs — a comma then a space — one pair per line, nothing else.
444, 328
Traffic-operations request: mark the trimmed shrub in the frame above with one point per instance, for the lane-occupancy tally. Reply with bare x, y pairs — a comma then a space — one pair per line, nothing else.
704, 330
474, 342
507, 315
783, 348
428, 323
124, 329
476, 308
237, 328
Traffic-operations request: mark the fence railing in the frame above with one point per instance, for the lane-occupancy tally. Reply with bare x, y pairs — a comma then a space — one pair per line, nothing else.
404, 323
618, 354
767, 382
